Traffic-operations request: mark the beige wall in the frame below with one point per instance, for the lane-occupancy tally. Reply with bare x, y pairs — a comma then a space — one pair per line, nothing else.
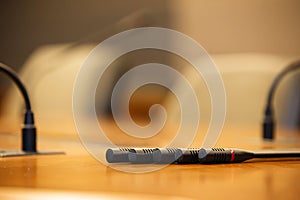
230, 26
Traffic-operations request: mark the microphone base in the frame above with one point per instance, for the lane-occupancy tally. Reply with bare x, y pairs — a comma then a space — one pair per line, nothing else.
17, 152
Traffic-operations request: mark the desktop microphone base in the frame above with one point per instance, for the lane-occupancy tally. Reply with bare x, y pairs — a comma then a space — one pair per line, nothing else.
17, 152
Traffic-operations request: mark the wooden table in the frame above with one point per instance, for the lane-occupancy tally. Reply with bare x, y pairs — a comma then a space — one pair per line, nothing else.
78, 175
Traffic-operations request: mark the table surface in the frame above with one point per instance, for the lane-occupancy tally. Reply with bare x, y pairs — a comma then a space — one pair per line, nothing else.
77, 174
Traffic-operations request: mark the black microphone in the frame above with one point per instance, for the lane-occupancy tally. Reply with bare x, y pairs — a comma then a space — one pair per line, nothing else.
29, 135
269, 122
28, 130
191, 155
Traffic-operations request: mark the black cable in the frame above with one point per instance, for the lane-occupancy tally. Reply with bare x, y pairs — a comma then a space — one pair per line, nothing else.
276, 154
28, 130
13, 75
269, 122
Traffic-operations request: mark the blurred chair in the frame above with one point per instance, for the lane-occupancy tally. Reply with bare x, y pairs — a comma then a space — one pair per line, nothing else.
50, 72
247, 79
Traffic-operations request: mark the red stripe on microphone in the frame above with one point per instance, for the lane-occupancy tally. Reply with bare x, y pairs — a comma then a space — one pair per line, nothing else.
232, 155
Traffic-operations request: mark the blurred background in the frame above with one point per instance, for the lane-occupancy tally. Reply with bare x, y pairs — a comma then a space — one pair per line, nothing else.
250, 41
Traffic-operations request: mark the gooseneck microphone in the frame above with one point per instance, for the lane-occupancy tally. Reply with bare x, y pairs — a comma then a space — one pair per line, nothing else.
28, 130
269, 122
29, 135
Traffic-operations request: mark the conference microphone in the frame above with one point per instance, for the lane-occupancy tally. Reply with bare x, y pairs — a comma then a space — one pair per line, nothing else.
269, 121
191, 155
29, 135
